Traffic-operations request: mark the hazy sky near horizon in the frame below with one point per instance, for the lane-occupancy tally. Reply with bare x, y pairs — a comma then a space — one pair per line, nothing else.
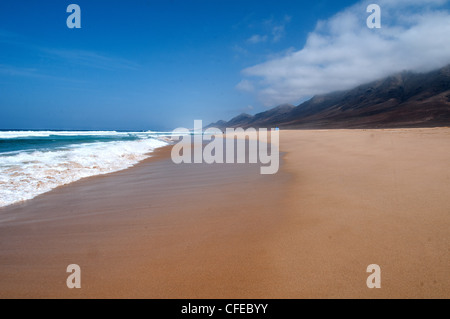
160, 64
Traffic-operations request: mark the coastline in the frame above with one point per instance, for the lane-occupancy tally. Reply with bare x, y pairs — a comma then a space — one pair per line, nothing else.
343, 199
156, 230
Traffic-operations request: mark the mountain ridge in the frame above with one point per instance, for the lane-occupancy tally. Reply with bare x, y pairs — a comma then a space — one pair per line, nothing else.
405, 99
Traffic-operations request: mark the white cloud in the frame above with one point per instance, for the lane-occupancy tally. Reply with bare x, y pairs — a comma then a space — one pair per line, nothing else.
342, 52
254, 39
239, 50
274, 31
245, 86
18, 71
277, 33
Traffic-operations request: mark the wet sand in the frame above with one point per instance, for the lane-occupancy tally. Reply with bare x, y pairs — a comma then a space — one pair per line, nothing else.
343, 200
157, 230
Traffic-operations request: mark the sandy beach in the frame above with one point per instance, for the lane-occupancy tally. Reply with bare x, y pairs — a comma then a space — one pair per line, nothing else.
343, 199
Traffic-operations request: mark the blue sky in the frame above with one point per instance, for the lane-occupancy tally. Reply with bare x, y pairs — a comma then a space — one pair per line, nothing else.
160, 64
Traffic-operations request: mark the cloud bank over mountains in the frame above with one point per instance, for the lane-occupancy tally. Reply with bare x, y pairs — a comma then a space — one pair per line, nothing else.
343, 52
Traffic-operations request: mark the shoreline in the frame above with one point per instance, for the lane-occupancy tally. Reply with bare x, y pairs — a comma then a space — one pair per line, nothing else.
343, 199
133, 219
21, 202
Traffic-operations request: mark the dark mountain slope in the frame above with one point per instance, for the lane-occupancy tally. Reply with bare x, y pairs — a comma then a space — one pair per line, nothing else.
403, 100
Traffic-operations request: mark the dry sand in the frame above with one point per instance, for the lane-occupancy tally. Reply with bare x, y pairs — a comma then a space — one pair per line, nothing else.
342, 200
360, 198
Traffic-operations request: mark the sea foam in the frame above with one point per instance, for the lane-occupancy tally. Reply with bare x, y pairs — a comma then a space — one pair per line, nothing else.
26, 174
